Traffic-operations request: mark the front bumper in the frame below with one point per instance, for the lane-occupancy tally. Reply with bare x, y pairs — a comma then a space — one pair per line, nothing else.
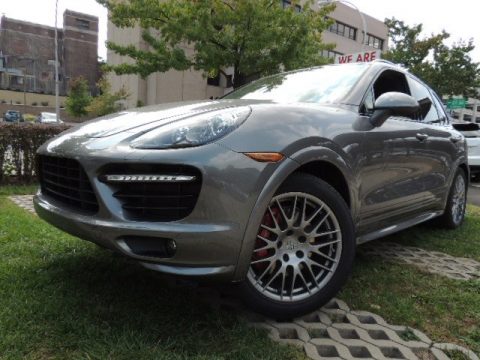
208, 241
195, 241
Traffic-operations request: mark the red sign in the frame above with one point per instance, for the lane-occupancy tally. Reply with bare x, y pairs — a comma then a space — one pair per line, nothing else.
364, 56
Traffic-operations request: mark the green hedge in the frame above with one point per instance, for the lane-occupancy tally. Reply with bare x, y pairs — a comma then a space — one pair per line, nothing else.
18, 145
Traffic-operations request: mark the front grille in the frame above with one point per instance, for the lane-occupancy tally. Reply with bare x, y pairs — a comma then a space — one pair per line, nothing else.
157, 201
65, 181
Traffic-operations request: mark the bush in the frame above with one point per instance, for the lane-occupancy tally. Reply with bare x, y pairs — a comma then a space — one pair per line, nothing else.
44, 103
34, 103
78, 98
18, 145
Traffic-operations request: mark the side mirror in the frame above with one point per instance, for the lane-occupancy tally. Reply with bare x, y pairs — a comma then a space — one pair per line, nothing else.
393, 104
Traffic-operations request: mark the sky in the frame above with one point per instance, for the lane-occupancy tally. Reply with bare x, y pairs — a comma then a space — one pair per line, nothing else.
460, 19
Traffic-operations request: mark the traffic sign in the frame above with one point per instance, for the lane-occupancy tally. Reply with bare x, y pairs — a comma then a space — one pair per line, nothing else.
456, 103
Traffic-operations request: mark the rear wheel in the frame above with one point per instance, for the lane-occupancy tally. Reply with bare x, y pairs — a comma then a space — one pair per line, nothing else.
304, 249
457, 201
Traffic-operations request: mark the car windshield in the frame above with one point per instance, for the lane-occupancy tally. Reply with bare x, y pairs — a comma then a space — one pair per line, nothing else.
325, 84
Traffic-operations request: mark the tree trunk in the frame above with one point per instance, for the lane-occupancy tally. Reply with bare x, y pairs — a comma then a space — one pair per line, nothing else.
238, 79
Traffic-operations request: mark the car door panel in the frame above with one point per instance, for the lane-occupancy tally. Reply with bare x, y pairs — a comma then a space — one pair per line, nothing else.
394, 188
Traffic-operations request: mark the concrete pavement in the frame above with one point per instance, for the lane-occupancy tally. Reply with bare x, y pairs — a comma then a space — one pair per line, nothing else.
474, 193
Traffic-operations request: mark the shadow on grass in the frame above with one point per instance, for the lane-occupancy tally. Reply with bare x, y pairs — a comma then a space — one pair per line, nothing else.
100, 304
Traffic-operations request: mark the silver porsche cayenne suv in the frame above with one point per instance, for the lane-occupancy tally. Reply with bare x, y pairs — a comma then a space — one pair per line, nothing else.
271, 187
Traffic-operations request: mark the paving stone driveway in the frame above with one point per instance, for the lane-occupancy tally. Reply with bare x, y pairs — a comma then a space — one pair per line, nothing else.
24, 201
336, 332
431, 261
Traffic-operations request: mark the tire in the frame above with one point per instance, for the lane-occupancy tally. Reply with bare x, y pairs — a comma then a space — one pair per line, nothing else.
302, 257
454, 213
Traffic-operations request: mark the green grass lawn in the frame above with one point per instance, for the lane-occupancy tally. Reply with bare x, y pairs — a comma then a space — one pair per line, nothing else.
64, 298
18, 190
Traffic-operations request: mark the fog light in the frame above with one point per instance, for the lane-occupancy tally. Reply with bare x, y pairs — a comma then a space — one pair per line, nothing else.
171, 247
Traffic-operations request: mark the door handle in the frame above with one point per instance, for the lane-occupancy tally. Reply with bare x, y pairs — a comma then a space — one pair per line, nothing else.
421, 136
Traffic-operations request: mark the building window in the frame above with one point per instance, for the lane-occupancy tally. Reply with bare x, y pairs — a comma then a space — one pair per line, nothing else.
478, 108
343, 30
375, 42
467, 117
214, 81
330, 54
229, 81
469, 107
477, 120
82, 24
288, 3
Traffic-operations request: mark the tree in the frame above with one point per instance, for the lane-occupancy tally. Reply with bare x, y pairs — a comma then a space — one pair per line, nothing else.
454, 72
106, 103
78, 98
448, 70
254, 37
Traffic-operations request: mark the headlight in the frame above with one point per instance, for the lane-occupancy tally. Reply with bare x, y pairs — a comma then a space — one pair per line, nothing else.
194, 131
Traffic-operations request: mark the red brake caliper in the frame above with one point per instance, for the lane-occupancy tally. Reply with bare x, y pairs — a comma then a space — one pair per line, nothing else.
264, 233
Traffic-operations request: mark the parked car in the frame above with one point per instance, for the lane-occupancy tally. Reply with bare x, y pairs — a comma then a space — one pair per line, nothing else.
47, 118
271, 187
471, 131
13, 116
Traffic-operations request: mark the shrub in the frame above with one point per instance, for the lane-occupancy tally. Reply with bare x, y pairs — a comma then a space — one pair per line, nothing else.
107, 102
78, 98
44, 103
18, 145
18, 102
34, 103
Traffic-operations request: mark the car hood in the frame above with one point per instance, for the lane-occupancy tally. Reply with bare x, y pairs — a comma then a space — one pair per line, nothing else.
143, 119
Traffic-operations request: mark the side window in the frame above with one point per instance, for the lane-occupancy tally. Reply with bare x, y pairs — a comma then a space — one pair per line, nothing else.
388, 81
440, 109
428, 111
368, 103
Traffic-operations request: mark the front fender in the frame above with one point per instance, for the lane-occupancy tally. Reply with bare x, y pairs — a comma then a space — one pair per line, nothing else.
286, 168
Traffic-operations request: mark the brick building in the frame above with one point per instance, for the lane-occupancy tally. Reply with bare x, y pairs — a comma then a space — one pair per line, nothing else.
27, 53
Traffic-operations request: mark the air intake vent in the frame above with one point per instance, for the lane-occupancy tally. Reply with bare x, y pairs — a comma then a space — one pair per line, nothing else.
65, 181
156, 201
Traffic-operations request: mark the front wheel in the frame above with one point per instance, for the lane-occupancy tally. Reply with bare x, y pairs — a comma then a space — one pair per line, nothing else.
303, 252
457, 201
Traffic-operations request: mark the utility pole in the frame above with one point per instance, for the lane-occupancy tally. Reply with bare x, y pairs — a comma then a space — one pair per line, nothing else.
57, 105
24, 90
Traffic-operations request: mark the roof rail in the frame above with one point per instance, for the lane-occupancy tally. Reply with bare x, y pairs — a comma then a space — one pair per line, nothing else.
388, 62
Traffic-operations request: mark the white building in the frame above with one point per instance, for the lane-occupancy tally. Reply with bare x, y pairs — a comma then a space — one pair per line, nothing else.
346, 34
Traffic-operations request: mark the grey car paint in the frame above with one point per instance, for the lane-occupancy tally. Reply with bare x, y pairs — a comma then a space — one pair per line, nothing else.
396, 178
